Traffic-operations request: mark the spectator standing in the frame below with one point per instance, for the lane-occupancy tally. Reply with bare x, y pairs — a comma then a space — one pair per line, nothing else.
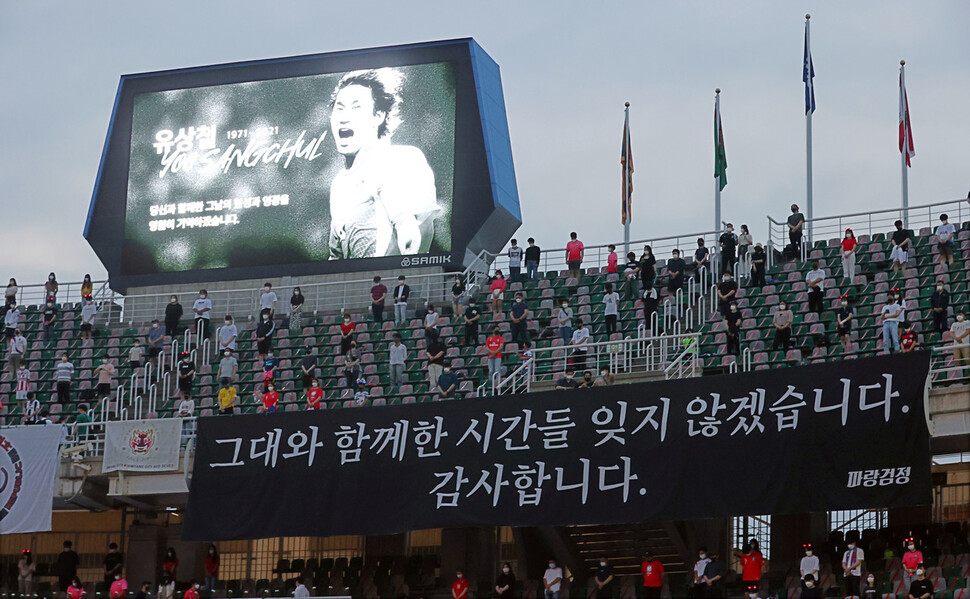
505, 583
565, 317
431, 321
852, 561
23, 381
611, 301
228, 334
651, 300
714, 577
227, 398
908, 339
648, 267
49, 319
270, 364
697, 584
32, 408
515, 261
732, 320
202, 309
398, 354
458, 297
568, 382
575, 251
51, 287
960, 331
675, 273
166, 588
296, 310
264, 336
532, 255
447, 385
211, 568
843, 324
136, 355
63, 373
459, 588
267, 300
494, 345
106, 373
314, 396
745, 241
702, 258
520, 320
752, 563
552, 578
945, 233
347, 328
26, 569
611, 260
727, 291
87, 287
849, 249
156, 341
900, 247
10, 293
173, 314
921, 588
186, 374
912, 560
271, 399
472, 317
308, 367
759, 259
782, 320
728, 244
352, 367
940, 302
145, 592
435, 353
11, 320
16, 350
604, 579
891, 314
497, 291
580, 342
809, 566
378, 295
796, 225
88, 313
113, 562
653, 576
815, 280
631, 273
401, 293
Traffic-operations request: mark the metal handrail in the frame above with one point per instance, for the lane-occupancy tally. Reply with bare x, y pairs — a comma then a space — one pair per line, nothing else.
939, 370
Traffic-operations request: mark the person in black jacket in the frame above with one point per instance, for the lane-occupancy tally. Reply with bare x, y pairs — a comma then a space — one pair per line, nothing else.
401, 294
173, 314
66, 566
264, 336
940, 301
505, 583
811, 589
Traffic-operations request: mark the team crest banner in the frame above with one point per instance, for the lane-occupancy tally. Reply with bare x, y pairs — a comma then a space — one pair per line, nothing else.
840, 435
142, 445
28, 471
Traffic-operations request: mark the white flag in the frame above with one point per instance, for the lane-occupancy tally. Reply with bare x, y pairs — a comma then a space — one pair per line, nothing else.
28, 469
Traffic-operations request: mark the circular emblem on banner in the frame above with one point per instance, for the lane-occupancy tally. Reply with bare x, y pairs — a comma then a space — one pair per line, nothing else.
11, 476
406, 261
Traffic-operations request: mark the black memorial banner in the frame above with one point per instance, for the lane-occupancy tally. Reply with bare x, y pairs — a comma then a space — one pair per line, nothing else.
840, 435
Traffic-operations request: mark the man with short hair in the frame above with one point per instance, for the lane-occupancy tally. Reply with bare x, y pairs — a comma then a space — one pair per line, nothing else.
308, 367
435, 354
472, 317
653, 576
580, 342
900, 247
519, 320
575, 251
447, 383
945, 234
532, 255
228, 367
852, 561
939, 303
201, 309
88, 312
604, 579
267, 300
156, 341
398, 354
186, 374
567, 382
960, 330
631, 274
227, 398
891, 315
728, 243
727, 291
713, 577
16, 349
50, 319
697, 584
815, 280
228, 334
63, 373
31, 409
675, 273
378, 293
515, 261
66, 566
796, 224
843, 322
921, 588
732, 321
494, 345
552, 579
782, 320
300, 592
702, 258
401, 294
114, 563
611, 311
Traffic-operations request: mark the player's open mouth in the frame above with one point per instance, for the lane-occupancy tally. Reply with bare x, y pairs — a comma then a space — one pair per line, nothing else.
345, 133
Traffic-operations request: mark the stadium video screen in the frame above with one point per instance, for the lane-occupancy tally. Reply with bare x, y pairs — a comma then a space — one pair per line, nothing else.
328, 167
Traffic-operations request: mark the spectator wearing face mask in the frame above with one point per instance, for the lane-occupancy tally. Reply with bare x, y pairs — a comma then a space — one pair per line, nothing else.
296, 310
908, 339
119, 588
728, 243
759, 260
228, 367
314, 396
193, 591
869, 590
702, 259
211, 568
519, 315
852, 561
810, 588
494, 345
308, 367
170, 564
604, 579
186, 375
497, 292
727, 291
267, 300
921, 588
515, 261
732, 321
226, 399
201, 309
782, 321
565, 317
173, 314
843, 322
651, 301
447, 386
960, 331
900, 248
912, 560
270, 399
532, 255
156, 341
940, 302
796, 224
228, 333
675, 273
378, 294
891, 314
347, 328
401, 294
713, 577
648, 267
631, 274
472, 318
431, 321
697, 583
809, 565
505, 583
611, 301
849, 248
552, 579
815, 280
264, 336
568, 382
459, 588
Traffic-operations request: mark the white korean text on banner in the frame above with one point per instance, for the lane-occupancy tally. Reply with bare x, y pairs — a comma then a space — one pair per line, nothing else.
711, 446
142, 445
28, 470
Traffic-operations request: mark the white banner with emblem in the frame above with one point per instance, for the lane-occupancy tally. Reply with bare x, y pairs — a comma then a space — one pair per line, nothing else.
142, 445
28, 469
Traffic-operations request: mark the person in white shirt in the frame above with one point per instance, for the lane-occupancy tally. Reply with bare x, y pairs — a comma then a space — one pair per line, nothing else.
300, 592
88, 312
809, 563
580, 342
565, 317
945, 234
612, 302
398, 355
228, 334
960, 330
201, 309
852, 561
890, 325
552, 580
186, 409
267, 300
515, 262
699, 566
16, 348
31, 409
816, 287
11, 320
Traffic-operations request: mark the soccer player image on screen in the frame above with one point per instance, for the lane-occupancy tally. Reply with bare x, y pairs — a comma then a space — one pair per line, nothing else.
383, 202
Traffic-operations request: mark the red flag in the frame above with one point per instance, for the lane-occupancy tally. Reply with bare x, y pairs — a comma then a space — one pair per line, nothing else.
626, 162
905, 126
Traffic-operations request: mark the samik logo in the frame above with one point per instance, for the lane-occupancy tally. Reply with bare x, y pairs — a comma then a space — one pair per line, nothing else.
11, 476
425, 260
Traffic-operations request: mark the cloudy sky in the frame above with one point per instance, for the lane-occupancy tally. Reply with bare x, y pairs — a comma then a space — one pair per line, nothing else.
567, 69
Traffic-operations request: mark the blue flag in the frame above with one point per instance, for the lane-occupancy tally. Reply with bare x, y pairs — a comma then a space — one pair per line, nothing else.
808, 74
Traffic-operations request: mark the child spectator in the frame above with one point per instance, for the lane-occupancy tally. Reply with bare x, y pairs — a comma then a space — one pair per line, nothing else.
908, 340
361, 395
270, 400
270, 364
314, 395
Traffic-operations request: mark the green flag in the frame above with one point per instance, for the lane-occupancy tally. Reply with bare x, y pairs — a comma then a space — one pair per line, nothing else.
720, 157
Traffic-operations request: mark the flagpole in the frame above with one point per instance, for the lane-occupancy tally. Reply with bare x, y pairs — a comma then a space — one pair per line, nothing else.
903, 109
717, 179
626, 191
808, 142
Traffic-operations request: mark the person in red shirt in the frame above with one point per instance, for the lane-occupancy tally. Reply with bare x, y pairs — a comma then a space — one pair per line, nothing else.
314, 396
653, 576
912, 559
908, 340
497, 291
494, 345
848, 255
76, 589
193, 591
170, 564
752, 562
459, 588
574, 255
212, 569
611, 260
270, 400
346, 333
119, 588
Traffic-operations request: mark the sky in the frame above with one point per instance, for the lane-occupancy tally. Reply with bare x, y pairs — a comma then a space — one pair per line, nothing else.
567, 69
